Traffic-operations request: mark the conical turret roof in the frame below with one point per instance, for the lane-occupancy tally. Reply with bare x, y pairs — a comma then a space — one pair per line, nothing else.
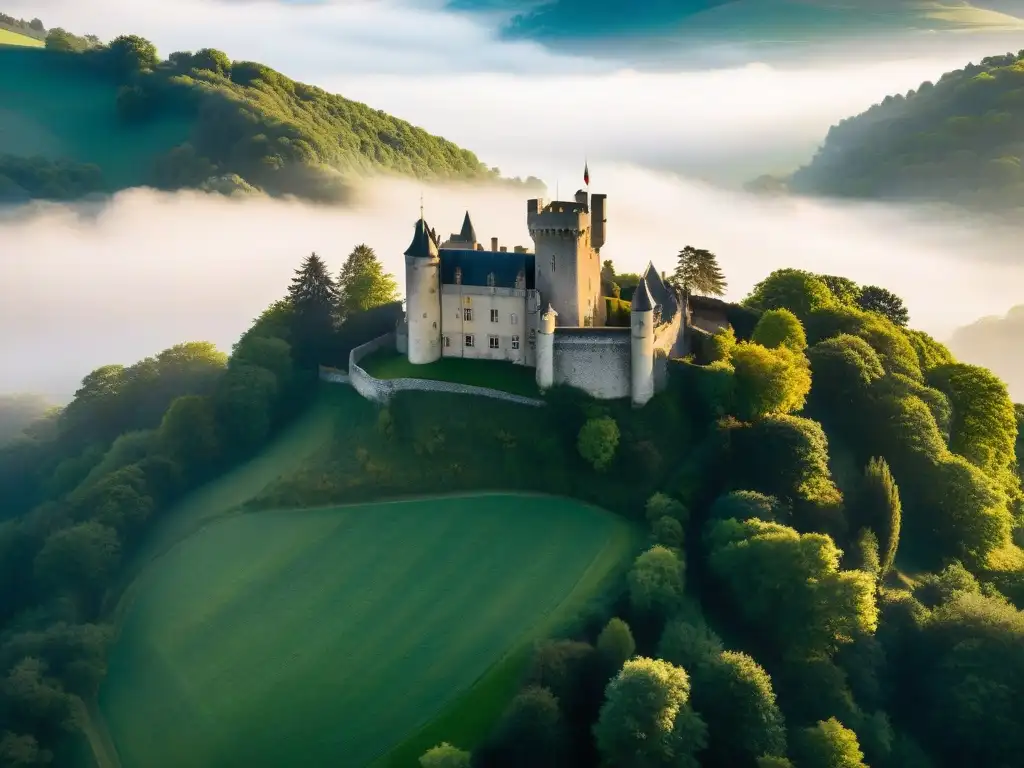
642, 299
468, 234
422, 245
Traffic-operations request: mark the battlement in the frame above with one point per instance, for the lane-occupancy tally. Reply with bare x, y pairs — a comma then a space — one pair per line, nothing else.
557, 217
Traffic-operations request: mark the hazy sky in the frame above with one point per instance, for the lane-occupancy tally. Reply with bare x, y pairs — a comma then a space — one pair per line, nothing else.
154, 270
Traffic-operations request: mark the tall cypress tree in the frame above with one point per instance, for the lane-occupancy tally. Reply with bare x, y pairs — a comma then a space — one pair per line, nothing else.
314, 297
878, 507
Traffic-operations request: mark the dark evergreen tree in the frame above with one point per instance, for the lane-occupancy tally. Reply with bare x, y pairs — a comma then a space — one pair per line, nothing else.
314, 296
697, 271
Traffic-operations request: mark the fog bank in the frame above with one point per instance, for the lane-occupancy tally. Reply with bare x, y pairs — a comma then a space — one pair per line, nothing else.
995, 342
154, 269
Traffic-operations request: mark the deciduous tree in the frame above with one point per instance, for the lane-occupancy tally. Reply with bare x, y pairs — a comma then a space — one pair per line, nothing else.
598, 440
646, 720
363, 284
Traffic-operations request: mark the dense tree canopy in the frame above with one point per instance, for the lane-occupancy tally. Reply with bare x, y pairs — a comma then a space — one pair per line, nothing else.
956, 140
248, 122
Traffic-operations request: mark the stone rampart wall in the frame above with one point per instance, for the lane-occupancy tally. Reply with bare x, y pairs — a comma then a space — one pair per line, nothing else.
381, 390
596, 360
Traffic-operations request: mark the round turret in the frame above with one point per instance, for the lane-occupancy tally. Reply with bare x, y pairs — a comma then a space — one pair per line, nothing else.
642, 345
423, 296
546, 349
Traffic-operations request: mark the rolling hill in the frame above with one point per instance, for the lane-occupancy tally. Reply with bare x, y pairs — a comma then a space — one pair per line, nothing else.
740, 21
10, 37
113, 117
959, 140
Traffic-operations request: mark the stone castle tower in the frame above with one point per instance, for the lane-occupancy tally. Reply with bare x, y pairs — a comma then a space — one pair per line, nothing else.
542, 309
423, 296
567, 239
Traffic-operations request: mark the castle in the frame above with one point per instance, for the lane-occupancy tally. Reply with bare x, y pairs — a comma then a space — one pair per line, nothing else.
540, 308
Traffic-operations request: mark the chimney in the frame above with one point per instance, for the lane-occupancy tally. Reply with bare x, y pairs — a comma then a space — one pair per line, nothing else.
494, 243
503, 249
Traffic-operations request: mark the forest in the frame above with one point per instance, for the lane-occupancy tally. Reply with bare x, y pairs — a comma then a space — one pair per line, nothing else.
245, 122
833, 577
958, 140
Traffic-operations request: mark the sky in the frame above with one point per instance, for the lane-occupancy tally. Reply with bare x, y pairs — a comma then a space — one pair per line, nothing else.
151, 270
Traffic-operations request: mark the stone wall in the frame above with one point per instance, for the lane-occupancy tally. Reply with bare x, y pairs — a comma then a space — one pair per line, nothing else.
381, 390
596, 360
669, 341
333, 375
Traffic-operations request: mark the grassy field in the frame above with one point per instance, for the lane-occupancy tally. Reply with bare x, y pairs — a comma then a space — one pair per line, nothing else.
508, 377
51, 109
332, 636
7, 37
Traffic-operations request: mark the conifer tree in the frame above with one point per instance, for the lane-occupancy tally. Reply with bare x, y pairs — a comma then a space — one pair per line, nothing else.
314, 297
878, 507
697, 271
363, 284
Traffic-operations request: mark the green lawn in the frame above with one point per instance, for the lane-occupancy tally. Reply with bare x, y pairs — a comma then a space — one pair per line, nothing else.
333, 636
517, 379
7, 37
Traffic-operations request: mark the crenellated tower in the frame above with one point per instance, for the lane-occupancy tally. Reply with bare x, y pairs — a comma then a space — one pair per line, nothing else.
567, 238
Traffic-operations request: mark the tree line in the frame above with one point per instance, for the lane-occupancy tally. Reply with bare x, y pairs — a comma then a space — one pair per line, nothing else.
85, 484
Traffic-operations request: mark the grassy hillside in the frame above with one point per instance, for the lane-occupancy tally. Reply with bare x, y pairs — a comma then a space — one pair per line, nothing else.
10, 37
118, 116
365, 602
958, 140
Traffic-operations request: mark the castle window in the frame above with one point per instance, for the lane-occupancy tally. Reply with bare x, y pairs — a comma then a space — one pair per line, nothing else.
492, 342
494, 315
513, 318
515, 342
552, 263
447, 341
469, 339
490, 279
467, 314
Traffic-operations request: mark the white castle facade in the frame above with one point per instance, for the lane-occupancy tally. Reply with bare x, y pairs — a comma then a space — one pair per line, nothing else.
540, 308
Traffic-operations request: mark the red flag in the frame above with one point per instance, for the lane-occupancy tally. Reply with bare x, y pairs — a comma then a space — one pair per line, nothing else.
586, 174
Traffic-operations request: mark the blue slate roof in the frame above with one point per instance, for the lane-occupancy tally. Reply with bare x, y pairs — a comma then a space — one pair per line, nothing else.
477, 265
423, 245
642, 299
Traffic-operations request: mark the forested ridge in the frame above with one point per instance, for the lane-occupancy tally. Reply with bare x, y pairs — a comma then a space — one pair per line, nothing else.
249, 126
832, 501
958, 140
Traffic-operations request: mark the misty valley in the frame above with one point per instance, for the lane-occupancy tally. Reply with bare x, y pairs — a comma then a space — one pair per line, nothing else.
489, 384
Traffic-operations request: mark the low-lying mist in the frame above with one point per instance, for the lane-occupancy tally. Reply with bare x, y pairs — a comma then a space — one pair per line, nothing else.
81, 288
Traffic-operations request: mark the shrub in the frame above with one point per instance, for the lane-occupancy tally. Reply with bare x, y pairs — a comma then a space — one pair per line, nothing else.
597, 442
